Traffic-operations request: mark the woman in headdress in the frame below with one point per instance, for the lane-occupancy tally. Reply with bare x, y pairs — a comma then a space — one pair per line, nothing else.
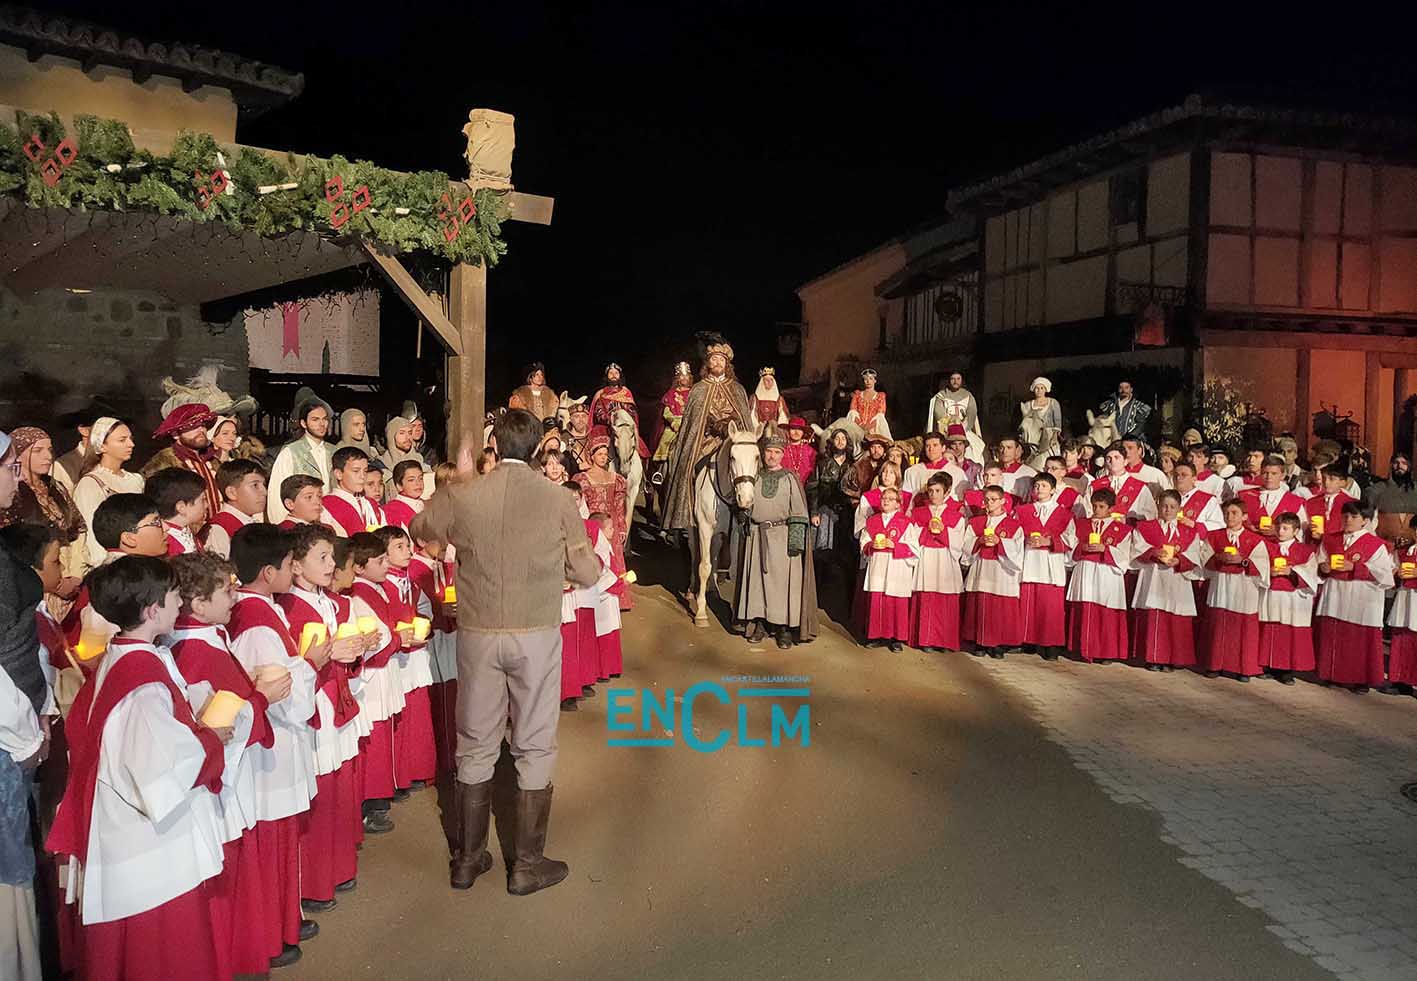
767, 402
604, 490
110, 447
40, 499
1041, 420
868, 406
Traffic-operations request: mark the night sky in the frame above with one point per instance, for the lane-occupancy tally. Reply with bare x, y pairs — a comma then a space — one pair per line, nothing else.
708, 159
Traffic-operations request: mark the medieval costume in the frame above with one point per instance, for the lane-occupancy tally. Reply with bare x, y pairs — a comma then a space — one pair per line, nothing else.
1041, 422
604, 490
577, 436
715, 401
534, 396
993, 550
349, 420
101, 482
957, 405
1130, 415
306, 454
868, 407
799, 455
41, 499
1042, 584
393, 456
890, 553
772, 587
766, 402
612, 396
182, 421
671, 413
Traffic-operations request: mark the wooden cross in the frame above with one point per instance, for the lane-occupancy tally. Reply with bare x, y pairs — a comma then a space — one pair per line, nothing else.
460, 321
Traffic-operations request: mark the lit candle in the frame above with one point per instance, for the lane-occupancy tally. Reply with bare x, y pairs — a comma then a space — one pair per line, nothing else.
1231, 550
450, 594
420, 628
882, 541
630, 577
936, 526
1094, 538
345, 630
1409, 567
1335, 561
371, 528
1168, 552
221, 710
1266, 522
1280, 563
368, 625
312, 634
1316, 522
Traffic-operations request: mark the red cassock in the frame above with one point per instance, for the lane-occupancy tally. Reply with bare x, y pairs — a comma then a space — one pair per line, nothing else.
1161, 635
1287, 646
1402, 655
349, 517
377, 749
991, 619
1349, 652
245, 918
1043, 604
935, 613
1230, 637
1255, 510
1127, 495
887, 615
1097, 628
415, 756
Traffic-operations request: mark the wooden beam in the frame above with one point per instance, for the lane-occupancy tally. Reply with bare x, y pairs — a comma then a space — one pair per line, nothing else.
533, 208
413, 295
467, 373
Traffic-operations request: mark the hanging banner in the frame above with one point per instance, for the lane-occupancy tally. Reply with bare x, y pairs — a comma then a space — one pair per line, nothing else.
335, 334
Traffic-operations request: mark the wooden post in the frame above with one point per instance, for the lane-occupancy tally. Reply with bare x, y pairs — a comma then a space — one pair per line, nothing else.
467, 373
1373, 423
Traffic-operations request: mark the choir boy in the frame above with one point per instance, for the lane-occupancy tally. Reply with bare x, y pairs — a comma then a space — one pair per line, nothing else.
993, 550
303, 498
935, 600
890, 552
1097, 592
140, 824
124, 524
383, 688
181, 499
1134, 501
1236, 564
1200, 508
1265, 503
245, 916
1249, 478
609, 589
1356, 569
415, 754
1042, 585
1065, 495
1287, 604
346, 507
242, 487
330, 832
1324, 511
1206, 479
1402, 658
374, 482
430, 576
1133, 450
408, 500
1164, 604
990, 476
587, 650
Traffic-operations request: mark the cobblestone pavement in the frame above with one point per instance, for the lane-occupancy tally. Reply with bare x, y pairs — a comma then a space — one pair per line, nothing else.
1287, 796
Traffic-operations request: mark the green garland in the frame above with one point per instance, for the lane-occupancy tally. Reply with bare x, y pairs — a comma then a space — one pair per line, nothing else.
111, 174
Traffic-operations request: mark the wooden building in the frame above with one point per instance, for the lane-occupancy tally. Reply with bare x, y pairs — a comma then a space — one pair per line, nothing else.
1221, 256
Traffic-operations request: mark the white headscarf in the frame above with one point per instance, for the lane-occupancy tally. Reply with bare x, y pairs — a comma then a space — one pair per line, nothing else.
1040, 380
99, 432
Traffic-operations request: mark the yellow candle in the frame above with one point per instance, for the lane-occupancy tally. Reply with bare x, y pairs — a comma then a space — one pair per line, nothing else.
630, 577
1231, 550
368, 625
450, 594
420, 628
1266, 522
1336, 561
1094, 538
1117, 516
882, 541
1316, 522
1168, 552
936, 526
312, 634
90, 646
1280, 563
1409, 567
346, 630
221, 710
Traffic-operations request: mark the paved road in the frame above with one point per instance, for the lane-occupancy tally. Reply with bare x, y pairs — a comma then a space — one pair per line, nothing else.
953, 818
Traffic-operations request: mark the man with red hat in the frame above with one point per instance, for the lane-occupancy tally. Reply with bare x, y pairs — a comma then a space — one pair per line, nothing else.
186, 426
799, 455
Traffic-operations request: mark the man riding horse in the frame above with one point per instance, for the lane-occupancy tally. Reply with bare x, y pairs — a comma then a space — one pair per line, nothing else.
715, 400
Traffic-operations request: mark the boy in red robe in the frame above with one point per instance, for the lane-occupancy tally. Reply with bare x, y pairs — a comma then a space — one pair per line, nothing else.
1236, 564
303, 497
1164, 605
242, 486
1356, 569
1042, 586
1287, 603
346, 508
993, 550
181, 500
1097, 597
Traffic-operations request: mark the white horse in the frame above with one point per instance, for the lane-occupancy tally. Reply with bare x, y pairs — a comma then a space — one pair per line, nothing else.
1103, 430
743, 459
626, 460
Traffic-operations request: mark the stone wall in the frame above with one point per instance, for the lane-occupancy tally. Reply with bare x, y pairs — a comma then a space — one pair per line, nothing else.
58, 349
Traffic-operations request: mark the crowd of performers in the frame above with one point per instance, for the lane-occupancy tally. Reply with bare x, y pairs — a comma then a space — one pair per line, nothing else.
214, 687
1236, 573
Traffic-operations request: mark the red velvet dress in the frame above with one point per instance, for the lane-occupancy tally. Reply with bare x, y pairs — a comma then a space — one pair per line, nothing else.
610, 498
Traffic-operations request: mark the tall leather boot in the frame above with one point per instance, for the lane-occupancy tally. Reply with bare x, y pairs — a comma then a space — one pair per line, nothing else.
474, 813
532, 871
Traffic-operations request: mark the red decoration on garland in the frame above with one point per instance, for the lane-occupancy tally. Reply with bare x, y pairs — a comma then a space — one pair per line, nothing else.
210, 187
341, 211
53, 167
454, 219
